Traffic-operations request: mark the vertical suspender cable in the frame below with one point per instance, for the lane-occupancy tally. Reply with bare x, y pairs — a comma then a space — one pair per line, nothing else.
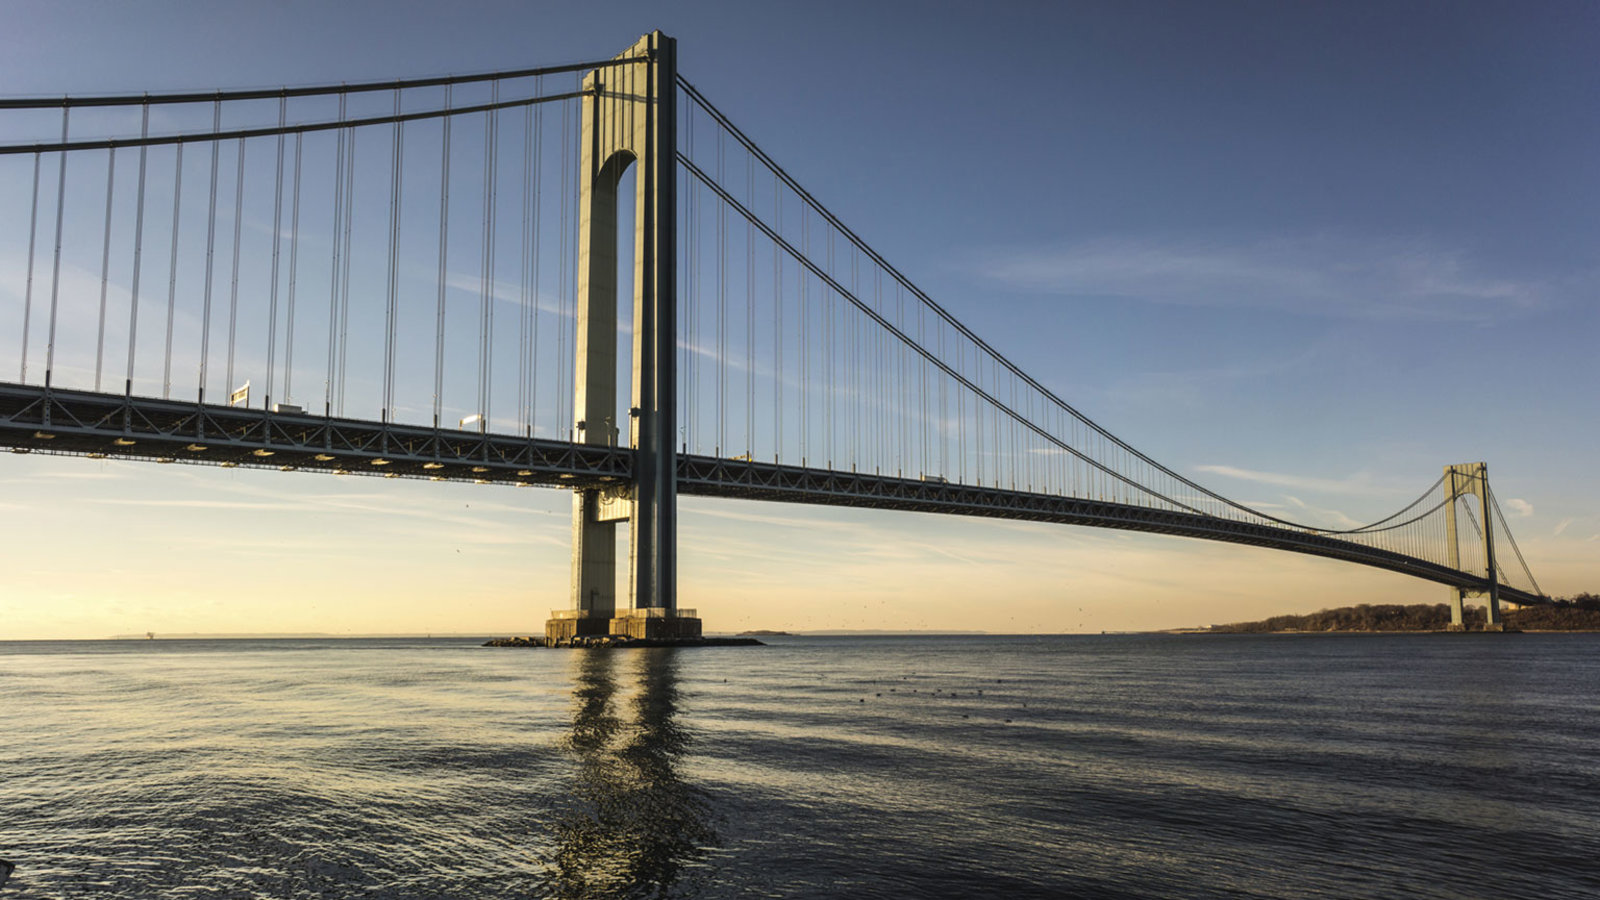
233, 294
925, 400
691, 417
444, 248
977, 414
491, 137
55, 275
333, 265
844, 350
391, 300
568, 365
27, 292
829, 401
903, 456
538, 180
960, 417
1000, 434
277, 247
394, 268
686, 186
863, 339
943, 420
750, 311
882, 366
172, 270
849, 404
1002, 467
1008, 458
562, 423
866, 434
524, 296
859, 379
105, 268
777, 321
138, 247
883, 357
344, 285
1029, 458
294, 268
805, 335
538, 183
211, 245
873, 410
722, 306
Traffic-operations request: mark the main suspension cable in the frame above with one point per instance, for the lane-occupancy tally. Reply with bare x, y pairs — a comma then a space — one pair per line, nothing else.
701, 101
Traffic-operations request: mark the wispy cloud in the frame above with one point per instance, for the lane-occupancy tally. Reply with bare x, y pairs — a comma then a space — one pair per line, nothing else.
1561, 526
1519, 508
1337, 518
83, 476
1318, 275
247, 505
1359, 483
503, 292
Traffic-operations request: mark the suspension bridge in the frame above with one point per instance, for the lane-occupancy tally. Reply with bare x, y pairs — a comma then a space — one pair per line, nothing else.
422, 279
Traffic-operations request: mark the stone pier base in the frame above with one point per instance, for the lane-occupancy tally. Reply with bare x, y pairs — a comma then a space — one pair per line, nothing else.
568, 627
565, 625
657, 628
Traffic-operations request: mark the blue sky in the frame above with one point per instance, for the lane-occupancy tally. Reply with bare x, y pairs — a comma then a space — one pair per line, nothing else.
1306, 253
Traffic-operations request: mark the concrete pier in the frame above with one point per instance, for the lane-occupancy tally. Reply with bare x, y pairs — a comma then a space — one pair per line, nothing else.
567, 627
628, 119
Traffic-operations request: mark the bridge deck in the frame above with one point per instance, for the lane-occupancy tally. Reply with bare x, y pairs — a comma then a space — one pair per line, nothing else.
86, 423
99, 425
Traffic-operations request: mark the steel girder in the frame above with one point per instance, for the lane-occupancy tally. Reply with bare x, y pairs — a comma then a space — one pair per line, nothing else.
716, 477
99, 425
86, 423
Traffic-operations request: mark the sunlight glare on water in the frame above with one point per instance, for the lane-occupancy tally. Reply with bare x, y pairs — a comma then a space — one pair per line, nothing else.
1105, 766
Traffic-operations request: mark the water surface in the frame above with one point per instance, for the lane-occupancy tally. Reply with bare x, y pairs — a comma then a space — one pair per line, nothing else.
1438, 766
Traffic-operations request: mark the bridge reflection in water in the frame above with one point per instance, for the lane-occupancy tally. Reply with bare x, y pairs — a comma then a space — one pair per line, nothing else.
629, 825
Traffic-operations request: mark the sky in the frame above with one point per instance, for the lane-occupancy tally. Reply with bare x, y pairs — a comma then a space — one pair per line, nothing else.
1307, 254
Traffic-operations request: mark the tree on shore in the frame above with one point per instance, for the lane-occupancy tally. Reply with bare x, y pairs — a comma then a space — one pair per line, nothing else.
1580, 612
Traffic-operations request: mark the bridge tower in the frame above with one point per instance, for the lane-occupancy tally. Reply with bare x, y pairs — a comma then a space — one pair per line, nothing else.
1471, 480
629, 117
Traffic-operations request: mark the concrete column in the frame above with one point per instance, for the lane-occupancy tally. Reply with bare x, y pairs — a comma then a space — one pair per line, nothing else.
1452, 549
1471, 479
1492, 619
654, 526
594, 541
629, 115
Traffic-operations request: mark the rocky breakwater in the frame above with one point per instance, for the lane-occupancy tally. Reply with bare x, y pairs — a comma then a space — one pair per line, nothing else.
622, 640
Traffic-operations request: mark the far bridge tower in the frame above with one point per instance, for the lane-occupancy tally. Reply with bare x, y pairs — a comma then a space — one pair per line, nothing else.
1461, 481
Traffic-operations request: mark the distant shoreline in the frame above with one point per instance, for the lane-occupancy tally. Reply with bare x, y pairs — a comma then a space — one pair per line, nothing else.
1582, 616
324, 636
1352, 631
278, 636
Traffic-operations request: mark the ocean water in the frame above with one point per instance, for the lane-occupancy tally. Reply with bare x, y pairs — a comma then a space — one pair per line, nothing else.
1437, 766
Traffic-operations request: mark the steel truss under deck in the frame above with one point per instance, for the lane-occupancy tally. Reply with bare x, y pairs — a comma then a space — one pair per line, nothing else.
713, 477
98, 425
85, 423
